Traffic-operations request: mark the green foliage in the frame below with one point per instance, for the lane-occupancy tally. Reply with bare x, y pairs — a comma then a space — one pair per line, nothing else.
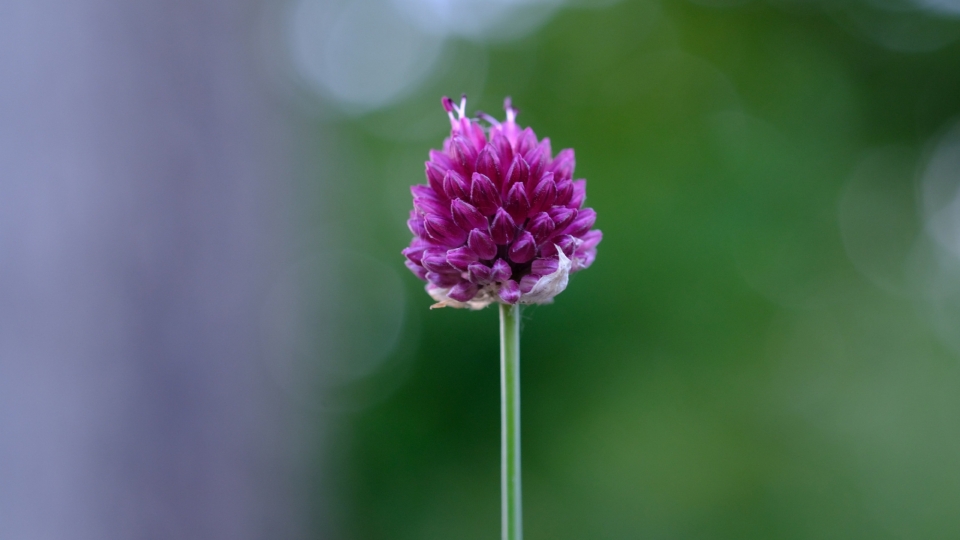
723, 370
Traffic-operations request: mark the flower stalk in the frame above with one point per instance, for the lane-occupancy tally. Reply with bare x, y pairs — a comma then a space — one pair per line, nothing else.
512, 505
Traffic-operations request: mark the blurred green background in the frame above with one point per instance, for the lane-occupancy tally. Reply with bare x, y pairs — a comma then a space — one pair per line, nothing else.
767, 344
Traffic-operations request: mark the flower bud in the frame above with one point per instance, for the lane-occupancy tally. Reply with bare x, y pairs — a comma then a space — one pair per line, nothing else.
535, 160
442, 161
454, 186
501, 271
564, 192
488, 164
420, 190
517, 203
541, 226
517, 174
585, 219
562, 217
527, 282
523, 249
464, 153
579, 194
510, 292
466, 216
414, 253
444, 230
591, 239
415, 224
481, 244
464, 291
417, 270
484, 195
502, 229
568, 244
527, 141
436, 261
504, 151
435, 176
479, 273
444, 279
564, 164
544, 194
461, 258
544, 267
429, 205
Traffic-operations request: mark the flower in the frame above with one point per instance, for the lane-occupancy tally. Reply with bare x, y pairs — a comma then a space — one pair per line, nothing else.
501, 219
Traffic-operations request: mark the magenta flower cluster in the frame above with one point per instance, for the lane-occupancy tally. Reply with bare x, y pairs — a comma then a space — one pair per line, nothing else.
500, 218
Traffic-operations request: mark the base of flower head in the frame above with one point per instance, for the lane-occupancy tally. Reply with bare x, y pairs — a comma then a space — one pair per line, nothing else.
542, 292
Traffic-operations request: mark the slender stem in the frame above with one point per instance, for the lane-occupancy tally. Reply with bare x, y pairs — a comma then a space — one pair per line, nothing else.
512, 506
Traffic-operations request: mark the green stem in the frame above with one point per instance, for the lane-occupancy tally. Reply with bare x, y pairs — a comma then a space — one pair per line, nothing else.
512, 506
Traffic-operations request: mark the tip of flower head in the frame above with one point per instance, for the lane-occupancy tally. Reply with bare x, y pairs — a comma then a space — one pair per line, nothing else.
511, 111
447, 104
450, 107
486, 117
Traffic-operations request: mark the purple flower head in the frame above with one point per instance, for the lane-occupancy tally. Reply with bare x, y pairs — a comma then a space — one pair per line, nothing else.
500, 219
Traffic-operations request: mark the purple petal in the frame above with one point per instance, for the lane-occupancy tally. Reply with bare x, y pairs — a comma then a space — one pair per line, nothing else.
416, 227
484, 195
479, 273
544, 194
466, 216
564, 164
524, 249
435, 174
591, 239
546, 150
526, 141
420, 190
501, 271
444, 230
568, 244
535, 160
517, 203
481, 244
504, 151
454, 186
562, 216
464, 153
430, 205
417, 270
414, 253
474, 133
436, 261
518, 173
544, 267
541, 226
564, 192
442, 160
502, 229
443, 280
464, 291
585, 219
488, 164
461, 258
583, 259
527, 282
510, 292
579, 194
